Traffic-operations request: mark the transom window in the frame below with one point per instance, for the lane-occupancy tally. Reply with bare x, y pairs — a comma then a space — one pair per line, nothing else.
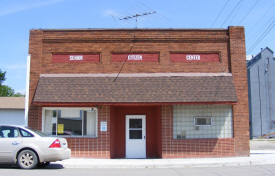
70, 121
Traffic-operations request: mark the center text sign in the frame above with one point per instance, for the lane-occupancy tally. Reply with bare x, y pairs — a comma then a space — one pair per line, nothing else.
135, 57
59, 58
185, 57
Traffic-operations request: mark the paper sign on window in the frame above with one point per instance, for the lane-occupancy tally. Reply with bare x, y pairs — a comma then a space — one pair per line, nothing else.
60, 128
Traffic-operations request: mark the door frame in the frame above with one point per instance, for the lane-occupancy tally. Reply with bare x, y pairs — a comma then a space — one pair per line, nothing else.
135, 116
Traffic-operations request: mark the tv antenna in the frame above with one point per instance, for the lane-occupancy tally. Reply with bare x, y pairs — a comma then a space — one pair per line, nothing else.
137, 15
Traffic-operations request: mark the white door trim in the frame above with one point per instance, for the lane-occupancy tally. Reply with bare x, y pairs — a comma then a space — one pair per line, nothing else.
135, 148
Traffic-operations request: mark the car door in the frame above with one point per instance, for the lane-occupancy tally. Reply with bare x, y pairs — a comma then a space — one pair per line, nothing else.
10, 142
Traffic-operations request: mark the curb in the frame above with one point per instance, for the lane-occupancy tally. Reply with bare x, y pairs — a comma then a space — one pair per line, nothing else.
257, 157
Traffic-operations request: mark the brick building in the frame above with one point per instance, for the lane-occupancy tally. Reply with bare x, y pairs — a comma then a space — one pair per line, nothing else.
141, 93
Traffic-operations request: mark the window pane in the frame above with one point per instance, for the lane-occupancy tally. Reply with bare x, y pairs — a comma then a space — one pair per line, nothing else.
135, 123
90, 123
25, 133
8, 132
203, 121
135, 134
50, 122
69, 122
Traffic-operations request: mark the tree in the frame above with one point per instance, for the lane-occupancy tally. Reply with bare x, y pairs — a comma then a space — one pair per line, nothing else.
6, 91
2, 77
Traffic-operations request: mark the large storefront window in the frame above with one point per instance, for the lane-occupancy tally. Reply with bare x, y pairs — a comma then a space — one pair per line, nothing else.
70, 121
202, 121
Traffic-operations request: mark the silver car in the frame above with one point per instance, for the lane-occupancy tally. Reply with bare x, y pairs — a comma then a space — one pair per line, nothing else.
29, 148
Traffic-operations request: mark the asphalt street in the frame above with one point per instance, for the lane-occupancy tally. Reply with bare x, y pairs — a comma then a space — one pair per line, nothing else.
56, 170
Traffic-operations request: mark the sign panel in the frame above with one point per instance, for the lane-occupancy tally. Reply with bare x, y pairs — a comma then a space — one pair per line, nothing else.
60, 128
103, 126
61, 58
135, 57
200, 57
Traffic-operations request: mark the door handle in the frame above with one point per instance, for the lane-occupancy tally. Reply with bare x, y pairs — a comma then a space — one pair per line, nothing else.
15, 143
143, 137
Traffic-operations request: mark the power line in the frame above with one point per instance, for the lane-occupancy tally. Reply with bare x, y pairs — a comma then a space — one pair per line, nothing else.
262, 36
126, 58
234, 14
231, 12
160, 14
220, 12
250, 10
265, 26
258, 21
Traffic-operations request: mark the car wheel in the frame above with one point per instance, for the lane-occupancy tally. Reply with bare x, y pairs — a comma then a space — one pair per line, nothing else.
27, 159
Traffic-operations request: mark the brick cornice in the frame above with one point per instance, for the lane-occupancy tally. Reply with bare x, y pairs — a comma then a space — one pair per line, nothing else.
141, 40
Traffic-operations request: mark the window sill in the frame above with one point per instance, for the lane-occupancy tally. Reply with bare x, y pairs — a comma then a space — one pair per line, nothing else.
176, 139
67, 136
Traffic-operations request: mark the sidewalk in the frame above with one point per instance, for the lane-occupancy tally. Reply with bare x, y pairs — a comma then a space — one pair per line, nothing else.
257, 157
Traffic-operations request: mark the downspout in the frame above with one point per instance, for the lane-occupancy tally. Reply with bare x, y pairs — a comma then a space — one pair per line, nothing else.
27, 90
260, 101
250, 104
269, 93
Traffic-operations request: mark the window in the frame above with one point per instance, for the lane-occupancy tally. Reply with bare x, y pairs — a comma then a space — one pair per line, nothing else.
202, 121
135, 128
70, 121
24, 133
8, 132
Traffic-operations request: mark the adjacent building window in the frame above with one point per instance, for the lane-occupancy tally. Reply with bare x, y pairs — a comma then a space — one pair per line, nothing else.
70, 121
202, 121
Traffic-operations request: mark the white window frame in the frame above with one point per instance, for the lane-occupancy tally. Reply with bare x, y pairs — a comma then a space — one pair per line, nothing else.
80, 108
206, 117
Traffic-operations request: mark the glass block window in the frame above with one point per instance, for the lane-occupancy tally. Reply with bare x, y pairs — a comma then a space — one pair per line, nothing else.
202, 121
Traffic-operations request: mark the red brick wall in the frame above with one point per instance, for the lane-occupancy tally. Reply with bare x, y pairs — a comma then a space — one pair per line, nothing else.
98, 147
230, 44
180, 148
240, 110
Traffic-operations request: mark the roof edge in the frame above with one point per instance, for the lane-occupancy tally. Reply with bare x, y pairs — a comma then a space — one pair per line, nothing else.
137, 75
129, 29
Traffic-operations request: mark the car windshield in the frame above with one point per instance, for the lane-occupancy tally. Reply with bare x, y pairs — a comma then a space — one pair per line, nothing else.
38, 132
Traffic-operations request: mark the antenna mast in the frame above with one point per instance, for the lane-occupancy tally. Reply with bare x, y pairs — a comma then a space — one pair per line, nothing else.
137, 15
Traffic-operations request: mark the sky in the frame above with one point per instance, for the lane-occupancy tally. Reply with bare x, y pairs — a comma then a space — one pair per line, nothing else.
17, 17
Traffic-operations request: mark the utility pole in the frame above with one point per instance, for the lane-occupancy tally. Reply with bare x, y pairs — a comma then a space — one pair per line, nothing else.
137, 15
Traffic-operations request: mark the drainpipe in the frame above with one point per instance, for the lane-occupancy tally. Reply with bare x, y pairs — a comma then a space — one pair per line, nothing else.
268, 98
27, 90
260, 101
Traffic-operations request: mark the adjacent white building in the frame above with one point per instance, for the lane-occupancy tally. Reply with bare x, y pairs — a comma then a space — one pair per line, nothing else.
261, 90
12, 110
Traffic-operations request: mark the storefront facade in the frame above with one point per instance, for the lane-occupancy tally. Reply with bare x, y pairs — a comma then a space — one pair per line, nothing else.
141, 93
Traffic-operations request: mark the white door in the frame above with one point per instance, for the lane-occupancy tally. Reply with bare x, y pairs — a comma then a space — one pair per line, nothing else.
135, 136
